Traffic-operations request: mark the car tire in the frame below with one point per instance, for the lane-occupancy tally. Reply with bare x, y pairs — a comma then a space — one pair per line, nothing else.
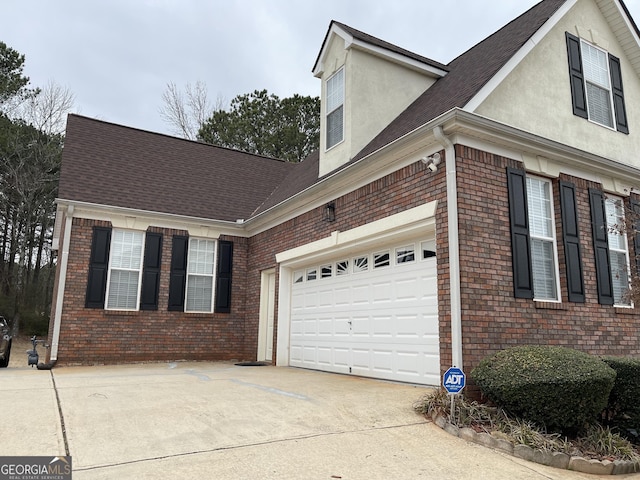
4, 363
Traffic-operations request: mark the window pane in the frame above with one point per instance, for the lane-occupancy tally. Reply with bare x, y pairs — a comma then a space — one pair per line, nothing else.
312, 274
599, 103
325, 271
335, 91
335, 106
543, 265
126, 249
539, 203
381, 260
615, 224
405, 255
342, 268
123, 290
335, 127
199, 293
620, 277
298, 277
360, 264
201, 256
595, 65
428, 249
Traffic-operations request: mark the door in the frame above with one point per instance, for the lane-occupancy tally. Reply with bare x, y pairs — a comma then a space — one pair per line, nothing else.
267, 315
372, 314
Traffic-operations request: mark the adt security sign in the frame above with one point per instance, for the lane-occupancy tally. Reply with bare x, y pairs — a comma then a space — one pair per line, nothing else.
454, 380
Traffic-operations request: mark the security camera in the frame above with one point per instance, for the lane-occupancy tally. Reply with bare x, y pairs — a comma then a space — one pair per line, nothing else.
432, 166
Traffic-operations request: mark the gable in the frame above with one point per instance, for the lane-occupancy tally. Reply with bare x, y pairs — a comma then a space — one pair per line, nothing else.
536, 95
378, 81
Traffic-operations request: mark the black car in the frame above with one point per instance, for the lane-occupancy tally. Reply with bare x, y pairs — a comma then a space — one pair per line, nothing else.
5, 342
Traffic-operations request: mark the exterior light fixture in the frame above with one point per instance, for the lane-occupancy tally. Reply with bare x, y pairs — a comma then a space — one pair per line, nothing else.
330, 212
431, 162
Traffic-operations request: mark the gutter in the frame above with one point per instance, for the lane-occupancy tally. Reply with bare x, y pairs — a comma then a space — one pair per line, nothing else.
64, 261
454, 246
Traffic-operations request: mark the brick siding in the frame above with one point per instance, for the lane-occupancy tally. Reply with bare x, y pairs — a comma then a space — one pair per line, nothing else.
492, 319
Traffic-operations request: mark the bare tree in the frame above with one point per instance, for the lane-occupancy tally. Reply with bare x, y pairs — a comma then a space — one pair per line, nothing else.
47, 111
187, 111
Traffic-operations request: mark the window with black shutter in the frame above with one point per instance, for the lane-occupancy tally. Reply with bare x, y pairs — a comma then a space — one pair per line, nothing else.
601, 247
151, 271
596, 84
223, 277
571, 239
520, 241
98, 267
178, 276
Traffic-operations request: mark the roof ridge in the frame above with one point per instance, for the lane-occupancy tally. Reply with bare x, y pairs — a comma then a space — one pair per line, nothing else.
359, 34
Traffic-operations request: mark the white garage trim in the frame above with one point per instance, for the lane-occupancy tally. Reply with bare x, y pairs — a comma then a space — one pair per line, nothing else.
417, 221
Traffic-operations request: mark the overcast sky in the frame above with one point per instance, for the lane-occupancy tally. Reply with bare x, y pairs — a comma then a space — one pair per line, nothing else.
117, 56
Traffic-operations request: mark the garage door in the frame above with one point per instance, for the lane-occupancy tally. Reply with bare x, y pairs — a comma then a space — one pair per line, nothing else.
373, 314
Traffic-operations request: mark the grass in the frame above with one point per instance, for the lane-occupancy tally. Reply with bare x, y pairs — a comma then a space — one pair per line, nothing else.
597, 442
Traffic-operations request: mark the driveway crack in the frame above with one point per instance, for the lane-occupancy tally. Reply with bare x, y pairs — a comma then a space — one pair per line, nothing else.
61, 415
248, 445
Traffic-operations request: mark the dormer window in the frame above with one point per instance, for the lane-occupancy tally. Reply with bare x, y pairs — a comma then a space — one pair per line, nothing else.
335, 108
596, 84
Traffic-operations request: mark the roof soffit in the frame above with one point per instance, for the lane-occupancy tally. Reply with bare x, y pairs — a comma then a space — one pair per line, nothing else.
624, 28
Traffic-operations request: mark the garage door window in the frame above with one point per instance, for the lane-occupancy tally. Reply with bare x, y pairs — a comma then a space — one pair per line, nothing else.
360, 264
428, 249
326, 271
381, 259
342, 268
312, 274
398, 256
405, 254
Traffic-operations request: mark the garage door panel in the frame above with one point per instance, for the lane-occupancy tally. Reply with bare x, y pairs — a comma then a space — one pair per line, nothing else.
380, 323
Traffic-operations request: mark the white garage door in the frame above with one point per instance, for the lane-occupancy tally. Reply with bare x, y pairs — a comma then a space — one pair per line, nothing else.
374, 314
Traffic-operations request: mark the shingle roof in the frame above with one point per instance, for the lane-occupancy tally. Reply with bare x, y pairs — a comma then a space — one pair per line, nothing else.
371, 40
301, 176
468, 73
109, 164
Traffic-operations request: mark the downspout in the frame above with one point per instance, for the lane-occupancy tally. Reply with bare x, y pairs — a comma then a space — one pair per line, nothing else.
64, 261
454, 247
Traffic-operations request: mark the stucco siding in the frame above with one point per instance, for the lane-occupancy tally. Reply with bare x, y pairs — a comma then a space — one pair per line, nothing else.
536, 95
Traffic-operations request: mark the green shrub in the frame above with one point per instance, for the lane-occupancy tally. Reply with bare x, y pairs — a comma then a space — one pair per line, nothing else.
559, 388
623, 409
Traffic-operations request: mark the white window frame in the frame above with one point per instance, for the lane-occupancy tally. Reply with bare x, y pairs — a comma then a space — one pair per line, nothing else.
199, 273
549, 239
618, 244
335, 93
134, 264
585, 48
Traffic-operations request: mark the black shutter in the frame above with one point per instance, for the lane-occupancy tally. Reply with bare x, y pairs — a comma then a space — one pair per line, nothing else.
178, 278
635, 209
571, 239
223, 276
618, 95
520, 241
578, 94
601, 247
151, 271
98, 267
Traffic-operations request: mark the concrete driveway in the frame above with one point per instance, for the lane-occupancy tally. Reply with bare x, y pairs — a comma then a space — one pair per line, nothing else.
218, 420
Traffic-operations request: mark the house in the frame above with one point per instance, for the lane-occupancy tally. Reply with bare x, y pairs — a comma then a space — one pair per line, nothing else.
450, 211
